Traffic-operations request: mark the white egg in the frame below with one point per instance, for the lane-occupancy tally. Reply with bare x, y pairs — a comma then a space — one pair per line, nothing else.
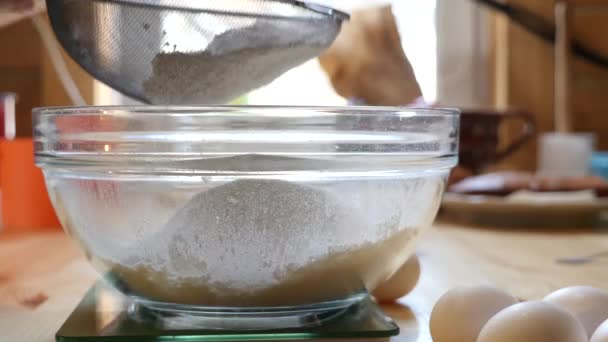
459, 315
401, 283
588, 304
601, 333
536, 321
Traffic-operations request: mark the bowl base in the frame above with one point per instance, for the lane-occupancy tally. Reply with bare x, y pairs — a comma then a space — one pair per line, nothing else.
104, 314
174, 316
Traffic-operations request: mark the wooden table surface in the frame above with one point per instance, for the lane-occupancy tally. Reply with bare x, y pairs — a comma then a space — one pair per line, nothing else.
43, 276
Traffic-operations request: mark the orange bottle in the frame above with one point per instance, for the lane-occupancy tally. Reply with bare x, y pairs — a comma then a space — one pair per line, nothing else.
25, 201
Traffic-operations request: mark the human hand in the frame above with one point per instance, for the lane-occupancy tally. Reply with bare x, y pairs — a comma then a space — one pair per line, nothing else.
367, 62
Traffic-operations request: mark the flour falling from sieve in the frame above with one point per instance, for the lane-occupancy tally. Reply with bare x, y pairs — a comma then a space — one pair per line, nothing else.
237, 61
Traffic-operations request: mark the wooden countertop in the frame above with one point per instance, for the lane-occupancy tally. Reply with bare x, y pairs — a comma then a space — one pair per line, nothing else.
43, 276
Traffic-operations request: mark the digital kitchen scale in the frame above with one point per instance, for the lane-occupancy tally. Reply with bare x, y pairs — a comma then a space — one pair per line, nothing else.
105, 315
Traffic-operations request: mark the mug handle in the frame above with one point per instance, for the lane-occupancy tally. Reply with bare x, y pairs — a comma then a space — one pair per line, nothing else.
528, 131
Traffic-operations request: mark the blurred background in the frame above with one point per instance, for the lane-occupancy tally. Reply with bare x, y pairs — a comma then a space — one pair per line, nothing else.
529, 75
463, 54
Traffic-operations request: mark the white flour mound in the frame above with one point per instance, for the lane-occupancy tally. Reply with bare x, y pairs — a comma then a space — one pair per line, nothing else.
247, 233
251, 233
237, 61
267, 242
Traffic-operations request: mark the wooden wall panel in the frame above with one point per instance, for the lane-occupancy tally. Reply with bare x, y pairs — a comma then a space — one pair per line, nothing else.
19, 45
25, 68
530, 64
530, 87
53, 93
25, 81
20, 70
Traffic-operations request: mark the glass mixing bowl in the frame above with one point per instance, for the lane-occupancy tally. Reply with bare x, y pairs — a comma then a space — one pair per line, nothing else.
271, 216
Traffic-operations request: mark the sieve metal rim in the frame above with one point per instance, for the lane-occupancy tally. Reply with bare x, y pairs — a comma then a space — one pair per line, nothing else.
317, 8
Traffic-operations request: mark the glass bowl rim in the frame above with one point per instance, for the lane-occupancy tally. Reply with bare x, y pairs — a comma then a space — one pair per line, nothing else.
274, 110
192, 132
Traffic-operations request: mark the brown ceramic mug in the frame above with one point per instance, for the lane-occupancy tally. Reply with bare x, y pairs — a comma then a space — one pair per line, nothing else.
479, 136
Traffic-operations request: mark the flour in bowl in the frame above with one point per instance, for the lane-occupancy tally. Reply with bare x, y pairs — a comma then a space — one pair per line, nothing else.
251, 241
267, 242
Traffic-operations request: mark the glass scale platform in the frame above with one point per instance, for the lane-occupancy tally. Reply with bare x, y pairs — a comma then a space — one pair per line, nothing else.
103, 315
